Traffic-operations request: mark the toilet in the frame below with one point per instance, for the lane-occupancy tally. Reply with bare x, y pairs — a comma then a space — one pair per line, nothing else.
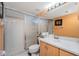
34, 49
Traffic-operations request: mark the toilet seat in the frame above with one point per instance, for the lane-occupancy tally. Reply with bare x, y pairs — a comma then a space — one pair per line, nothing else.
34, 48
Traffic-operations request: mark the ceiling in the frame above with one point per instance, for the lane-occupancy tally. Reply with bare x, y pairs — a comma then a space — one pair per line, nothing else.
34, 7
31, 7
65, 9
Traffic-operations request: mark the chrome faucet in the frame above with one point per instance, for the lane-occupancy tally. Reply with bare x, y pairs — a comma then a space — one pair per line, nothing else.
56, 37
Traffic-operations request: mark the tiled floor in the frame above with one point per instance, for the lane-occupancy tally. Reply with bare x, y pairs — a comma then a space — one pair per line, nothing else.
25, 53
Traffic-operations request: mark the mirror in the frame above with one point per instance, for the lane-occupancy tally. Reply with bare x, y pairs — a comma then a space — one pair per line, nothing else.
1, 9
50, 26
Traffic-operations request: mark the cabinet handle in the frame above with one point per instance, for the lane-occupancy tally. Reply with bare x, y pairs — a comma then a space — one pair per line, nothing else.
46, 47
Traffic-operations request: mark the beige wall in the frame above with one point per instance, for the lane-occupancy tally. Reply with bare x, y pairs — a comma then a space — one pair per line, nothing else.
70, 26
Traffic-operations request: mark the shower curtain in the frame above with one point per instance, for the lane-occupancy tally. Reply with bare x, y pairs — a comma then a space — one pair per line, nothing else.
14, 35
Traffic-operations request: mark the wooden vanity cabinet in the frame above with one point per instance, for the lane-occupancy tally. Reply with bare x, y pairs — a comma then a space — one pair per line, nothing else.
64, 53
48, 50
43, 49
52, 51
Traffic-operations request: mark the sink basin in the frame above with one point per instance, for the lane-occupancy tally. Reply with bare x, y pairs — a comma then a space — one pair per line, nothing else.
52, 40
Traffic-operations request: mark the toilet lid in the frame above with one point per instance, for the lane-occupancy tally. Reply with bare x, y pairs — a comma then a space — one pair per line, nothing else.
35, 46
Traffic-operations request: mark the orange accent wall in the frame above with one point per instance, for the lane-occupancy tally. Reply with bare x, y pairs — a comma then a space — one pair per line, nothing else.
70, 26
1, 36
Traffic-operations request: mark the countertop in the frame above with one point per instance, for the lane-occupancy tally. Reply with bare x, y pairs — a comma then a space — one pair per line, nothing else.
65, 44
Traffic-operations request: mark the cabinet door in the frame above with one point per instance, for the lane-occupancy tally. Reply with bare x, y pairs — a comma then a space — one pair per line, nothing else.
43, 49
52, 51
1, 37
64, 53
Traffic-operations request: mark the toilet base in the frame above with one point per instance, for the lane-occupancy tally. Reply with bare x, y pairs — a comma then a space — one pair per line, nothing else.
32, 54
29, 53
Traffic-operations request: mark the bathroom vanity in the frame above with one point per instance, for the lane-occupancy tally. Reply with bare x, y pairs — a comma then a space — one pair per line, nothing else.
48, 50
58, 47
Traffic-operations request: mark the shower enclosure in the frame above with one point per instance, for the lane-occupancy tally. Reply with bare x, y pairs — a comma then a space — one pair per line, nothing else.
21, 31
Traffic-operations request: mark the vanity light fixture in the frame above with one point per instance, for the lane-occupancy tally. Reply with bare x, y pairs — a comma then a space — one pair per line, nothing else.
53, 6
